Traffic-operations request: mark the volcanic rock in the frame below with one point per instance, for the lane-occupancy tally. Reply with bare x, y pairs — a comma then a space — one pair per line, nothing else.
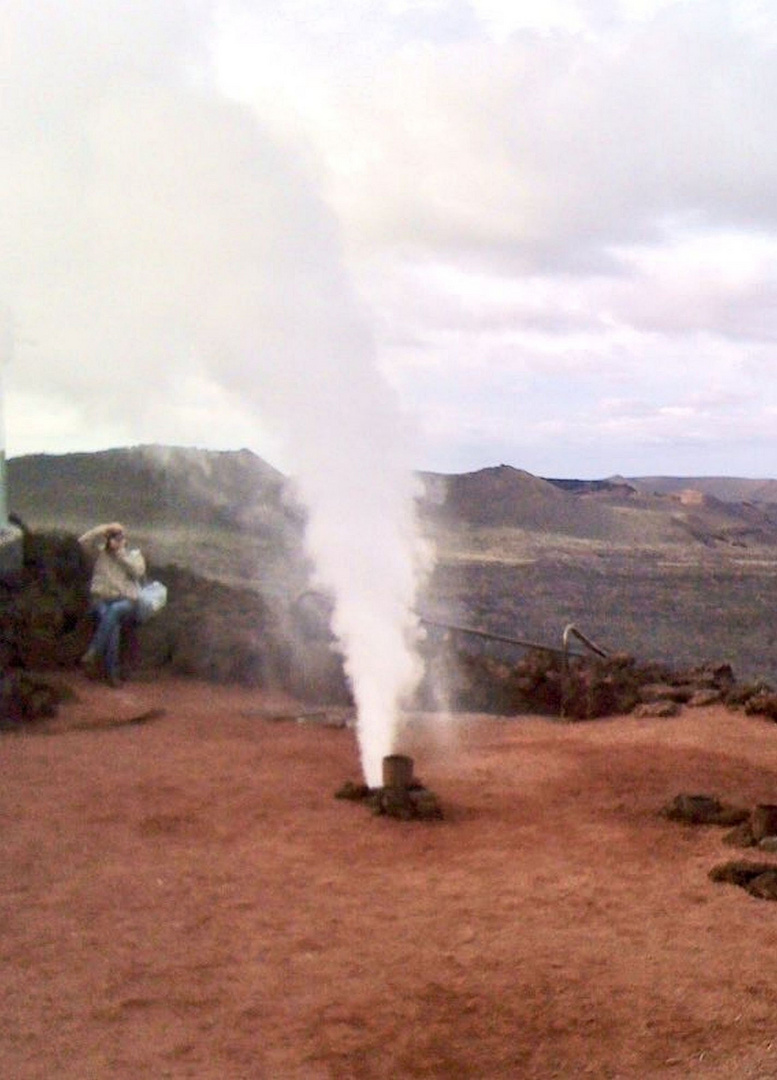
764, 886
763, 820
415, 802
740, 836
704, 810
763, 704
700, 698
739, 872
651, 692
658, 709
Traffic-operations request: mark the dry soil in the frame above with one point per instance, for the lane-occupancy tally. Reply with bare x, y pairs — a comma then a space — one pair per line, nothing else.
185, 897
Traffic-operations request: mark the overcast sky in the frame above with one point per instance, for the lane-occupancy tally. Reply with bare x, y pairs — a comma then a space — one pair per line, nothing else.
547, 233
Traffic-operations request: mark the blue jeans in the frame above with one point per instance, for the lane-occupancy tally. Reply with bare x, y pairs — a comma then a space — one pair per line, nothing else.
111, 615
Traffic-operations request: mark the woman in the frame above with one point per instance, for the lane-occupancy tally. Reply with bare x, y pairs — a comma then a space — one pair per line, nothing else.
114, 592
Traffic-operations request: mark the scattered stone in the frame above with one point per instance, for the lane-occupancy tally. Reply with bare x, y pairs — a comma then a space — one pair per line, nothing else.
332, 718
326, 718
757, 878
656, 709
740, 836
739, 872
415, 802
317, 717
354, 792
713, 676
700, 698
762, 704
739, 695
426, 806
763, 820
764, 887
148, 716
654, 692
26, 698
703, 810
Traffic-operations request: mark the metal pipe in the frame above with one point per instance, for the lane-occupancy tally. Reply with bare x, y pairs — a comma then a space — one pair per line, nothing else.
572, 631
397, 772
494, 637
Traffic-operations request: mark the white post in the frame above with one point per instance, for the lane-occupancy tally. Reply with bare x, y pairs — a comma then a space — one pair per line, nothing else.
3, 494
6, 354
11, 553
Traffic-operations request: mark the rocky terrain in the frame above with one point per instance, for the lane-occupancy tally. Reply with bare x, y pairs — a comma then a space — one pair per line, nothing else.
671, 575
680, 578
184, 896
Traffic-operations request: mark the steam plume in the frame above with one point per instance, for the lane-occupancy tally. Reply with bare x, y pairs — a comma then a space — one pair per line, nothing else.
157, 242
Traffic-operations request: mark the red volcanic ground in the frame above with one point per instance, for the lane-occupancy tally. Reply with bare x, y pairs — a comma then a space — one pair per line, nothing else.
186, 898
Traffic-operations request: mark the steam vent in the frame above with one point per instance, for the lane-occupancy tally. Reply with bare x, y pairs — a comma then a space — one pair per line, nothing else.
400, 797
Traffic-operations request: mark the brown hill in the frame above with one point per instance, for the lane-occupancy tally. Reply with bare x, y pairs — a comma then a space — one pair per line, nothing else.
170, 492
151, 485
504, 496
726, 488
612, 511
228, 515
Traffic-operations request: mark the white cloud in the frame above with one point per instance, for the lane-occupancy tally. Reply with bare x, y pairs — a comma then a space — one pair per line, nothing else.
716, 282
547, 151
541, 208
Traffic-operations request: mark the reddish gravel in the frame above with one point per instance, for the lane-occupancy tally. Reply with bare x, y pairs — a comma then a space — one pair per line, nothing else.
185, 898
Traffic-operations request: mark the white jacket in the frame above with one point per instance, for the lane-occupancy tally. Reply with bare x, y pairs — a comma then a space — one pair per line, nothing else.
116, 575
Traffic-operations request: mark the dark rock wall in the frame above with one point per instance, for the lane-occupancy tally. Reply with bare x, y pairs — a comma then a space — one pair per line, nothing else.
207, 630
226, 635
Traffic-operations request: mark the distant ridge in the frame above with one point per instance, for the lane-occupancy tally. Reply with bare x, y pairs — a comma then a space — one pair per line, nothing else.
616, 485
149, 486
725, 488
503, 496
614, 509
680, 574
166, 488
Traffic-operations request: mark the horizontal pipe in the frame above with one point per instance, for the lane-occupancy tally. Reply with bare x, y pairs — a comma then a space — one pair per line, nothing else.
495, 637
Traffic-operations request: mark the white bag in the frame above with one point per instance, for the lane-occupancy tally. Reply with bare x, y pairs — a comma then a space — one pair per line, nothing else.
151, 599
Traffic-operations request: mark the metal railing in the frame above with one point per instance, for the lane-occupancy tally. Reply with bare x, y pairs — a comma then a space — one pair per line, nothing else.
570, 631
320, 615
